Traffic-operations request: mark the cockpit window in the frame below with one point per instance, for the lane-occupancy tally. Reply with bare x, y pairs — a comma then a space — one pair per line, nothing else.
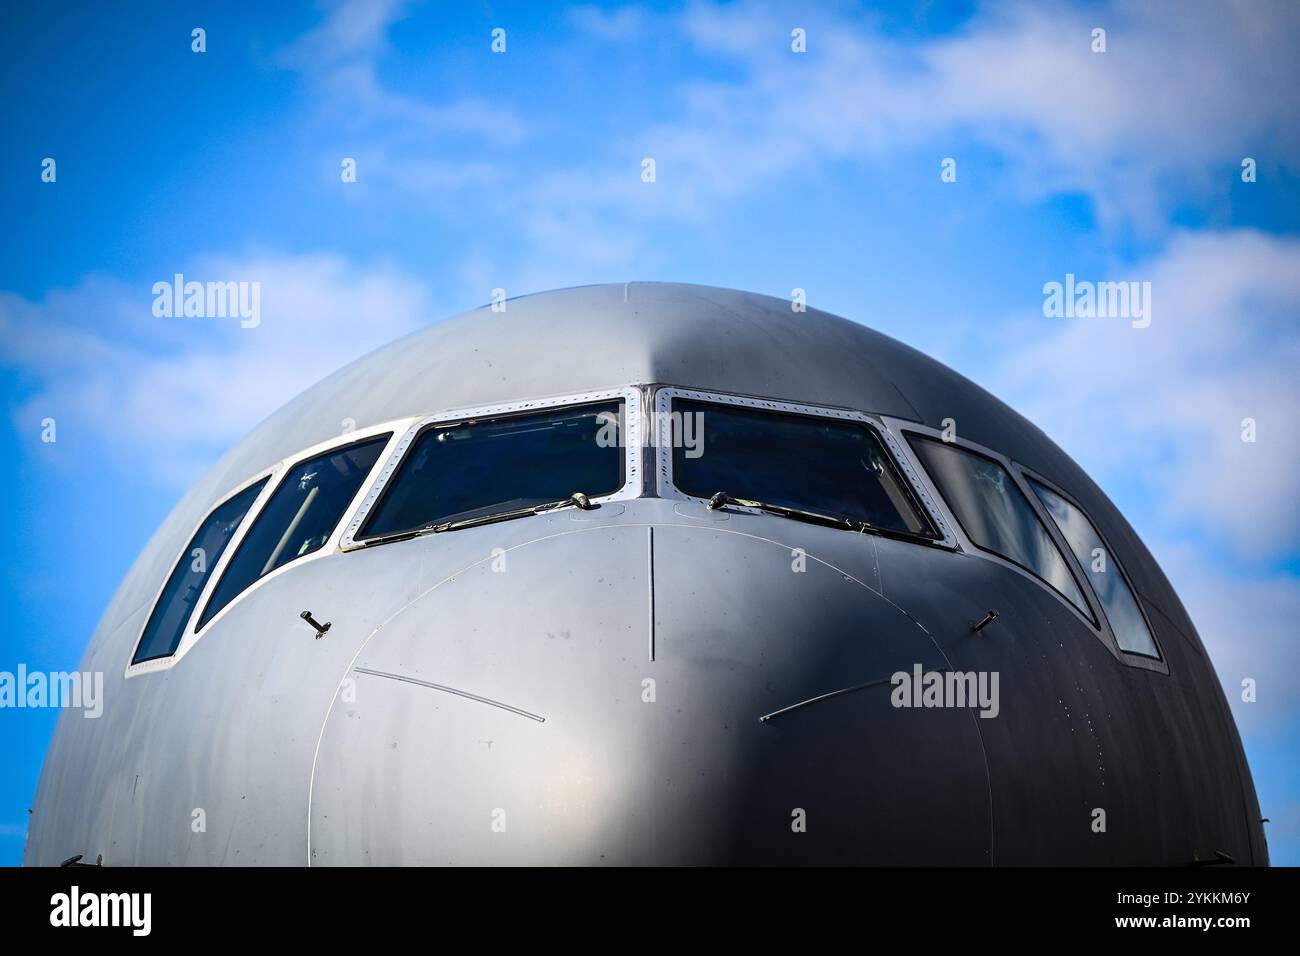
299, 517
810, 464
1126, 620
166, 625
996, 514
477, 468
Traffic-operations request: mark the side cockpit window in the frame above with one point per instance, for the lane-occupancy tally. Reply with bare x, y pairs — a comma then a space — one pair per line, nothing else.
166, 625
1131, 631
996, 515
298, 519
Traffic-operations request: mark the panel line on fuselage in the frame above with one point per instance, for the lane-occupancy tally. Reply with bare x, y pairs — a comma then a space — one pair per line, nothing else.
452, 690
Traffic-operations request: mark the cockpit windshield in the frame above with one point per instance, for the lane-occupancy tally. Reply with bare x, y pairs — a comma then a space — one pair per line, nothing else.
795, 466
503, 466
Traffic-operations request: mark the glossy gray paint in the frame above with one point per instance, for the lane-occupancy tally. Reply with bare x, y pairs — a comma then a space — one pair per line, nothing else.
252, 726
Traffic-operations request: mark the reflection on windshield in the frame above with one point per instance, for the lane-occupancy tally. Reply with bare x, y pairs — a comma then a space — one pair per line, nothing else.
1131, 632
299, 518
466, 469
822, 465
162, 635
996, 514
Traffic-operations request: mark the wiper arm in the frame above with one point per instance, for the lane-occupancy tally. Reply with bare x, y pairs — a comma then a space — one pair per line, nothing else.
812, 517
577, 500
395, 536
784, 511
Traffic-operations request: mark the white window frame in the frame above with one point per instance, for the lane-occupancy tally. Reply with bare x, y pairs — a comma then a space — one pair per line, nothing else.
904, 427
630, 438
1143, 661
274, 475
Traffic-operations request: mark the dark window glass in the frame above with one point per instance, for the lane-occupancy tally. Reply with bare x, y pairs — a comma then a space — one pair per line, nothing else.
823, 465
468, 469
996, 514
162, 634
298, 519
1126, 620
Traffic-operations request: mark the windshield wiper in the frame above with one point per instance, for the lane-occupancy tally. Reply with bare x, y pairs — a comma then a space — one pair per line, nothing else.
814, 517
784, 511
577, 499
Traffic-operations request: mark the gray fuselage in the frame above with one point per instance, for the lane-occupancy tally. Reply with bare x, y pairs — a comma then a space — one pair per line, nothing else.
650, 680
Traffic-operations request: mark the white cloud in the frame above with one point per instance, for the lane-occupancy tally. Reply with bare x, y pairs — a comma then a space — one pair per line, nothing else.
350, 30
1184, 91
1160, 408
352, 96
621, 24
175, 392
1164, 405
1247, 623
407, 138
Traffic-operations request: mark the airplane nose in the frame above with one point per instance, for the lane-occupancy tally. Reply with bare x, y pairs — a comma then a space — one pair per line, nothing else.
671, 694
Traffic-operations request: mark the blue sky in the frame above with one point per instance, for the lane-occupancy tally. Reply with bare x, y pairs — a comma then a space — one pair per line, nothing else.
775, 170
